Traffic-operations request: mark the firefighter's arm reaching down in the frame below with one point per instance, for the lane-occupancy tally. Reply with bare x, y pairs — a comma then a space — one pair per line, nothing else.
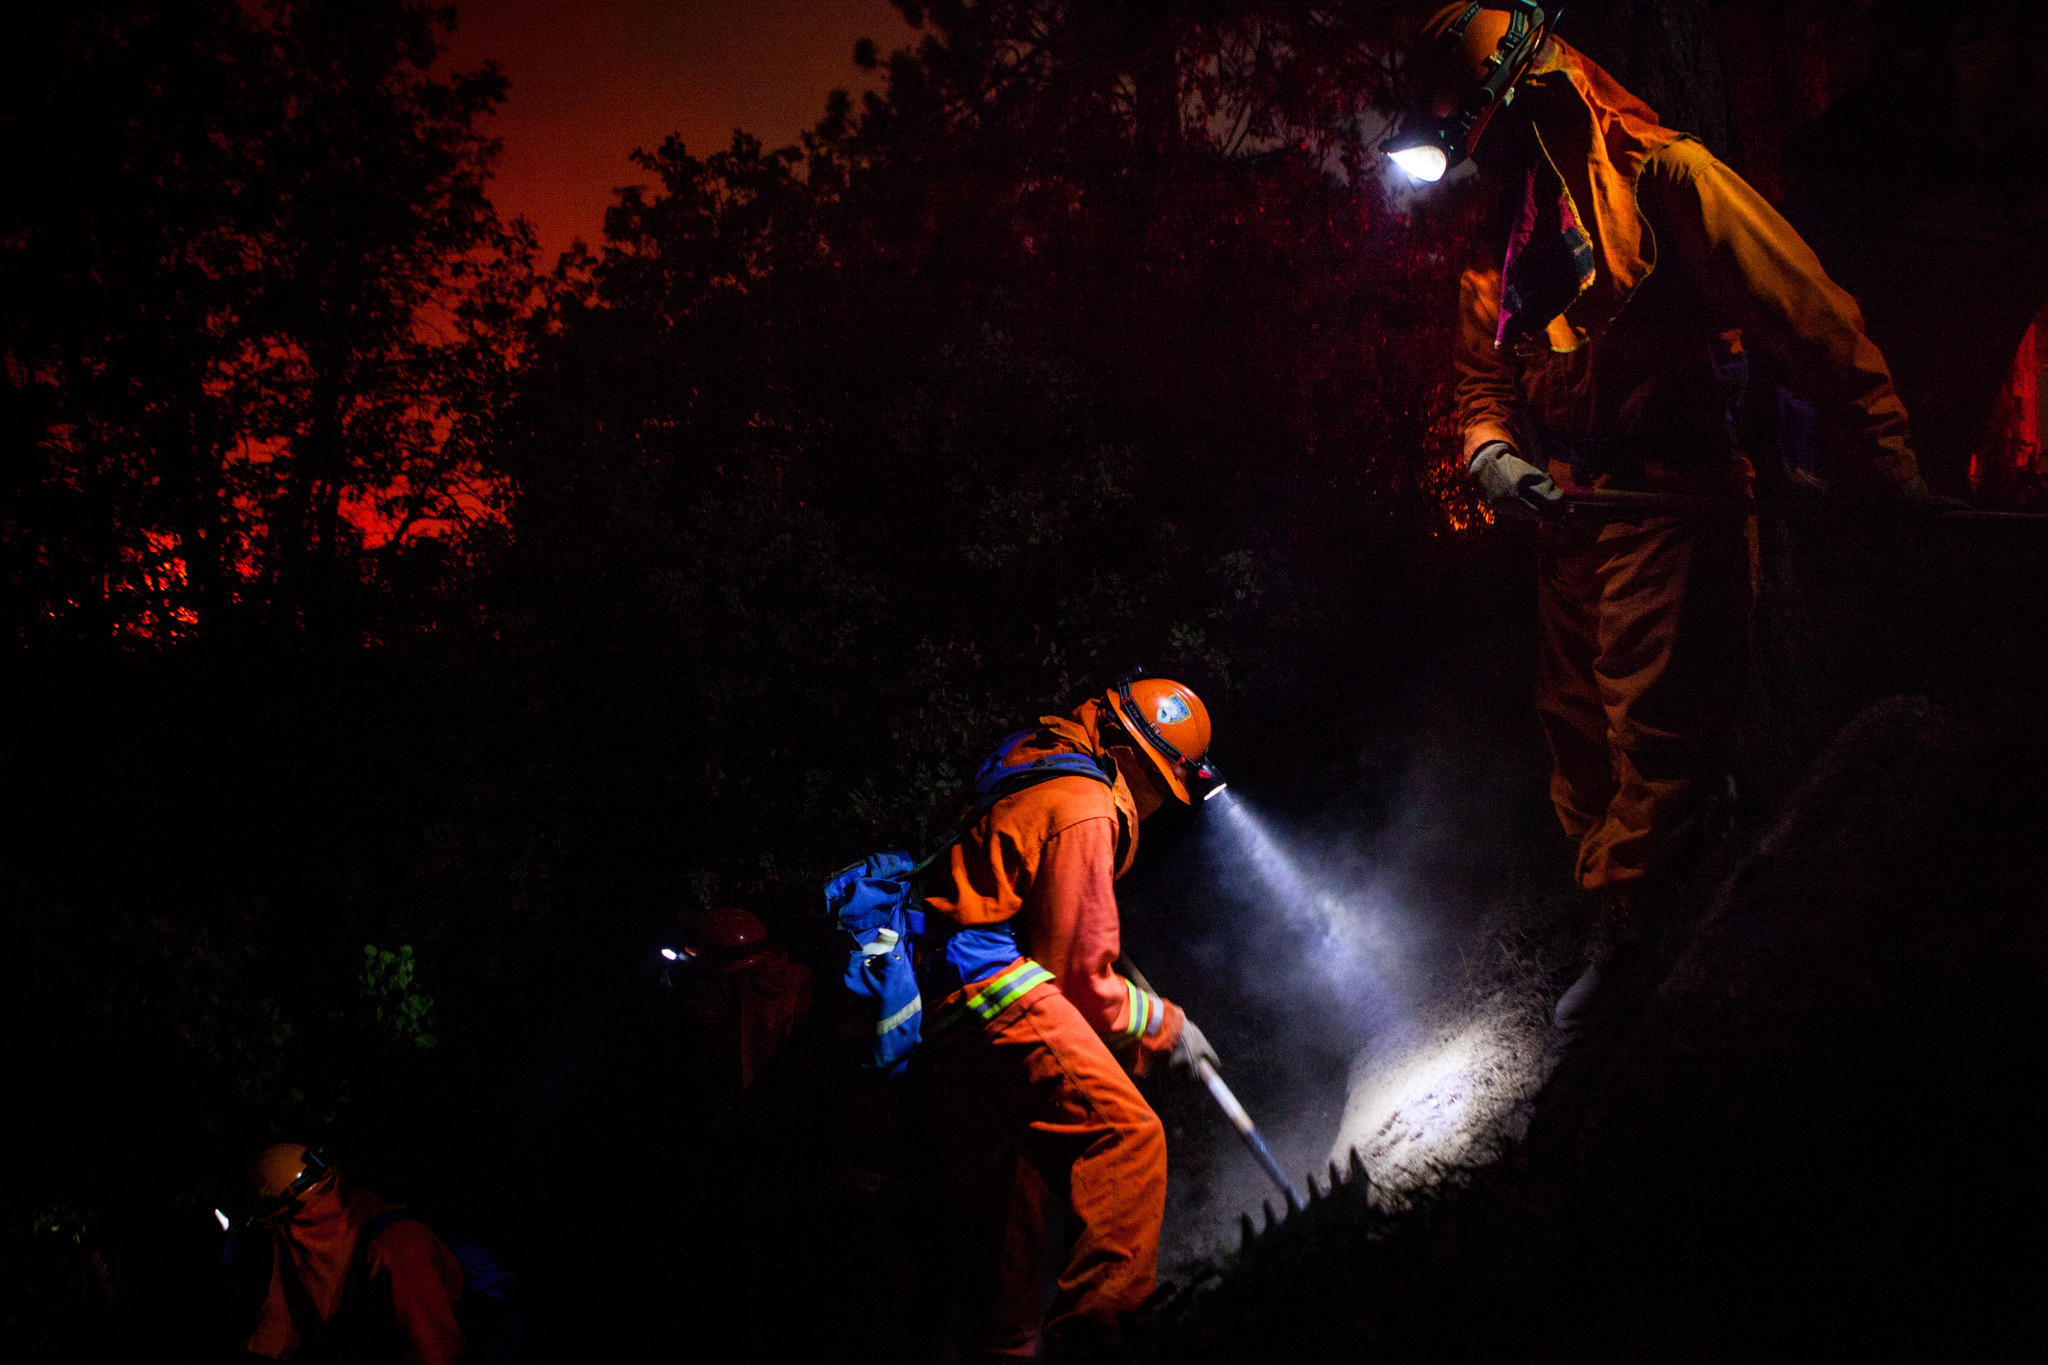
1487, 399
1486, 391
1070, 927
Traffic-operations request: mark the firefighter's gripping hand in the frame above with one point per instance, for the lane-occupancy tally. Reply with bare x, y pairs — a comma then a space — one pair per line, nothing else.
1511, 485
1919, 499
1192, 1048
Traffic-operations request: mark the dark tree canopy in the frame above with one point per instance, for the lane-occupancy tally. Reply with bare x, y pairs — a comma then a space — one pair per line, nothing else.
256, 308
367, 584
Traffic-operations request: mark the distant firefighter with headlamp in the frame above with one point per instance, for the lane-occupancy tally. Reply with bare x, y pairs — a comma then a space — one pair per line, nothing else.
1603, 318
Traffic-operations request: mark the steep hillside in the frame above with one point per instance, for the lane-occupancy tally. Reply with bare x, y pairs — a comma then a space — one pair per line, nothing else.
1815, 1133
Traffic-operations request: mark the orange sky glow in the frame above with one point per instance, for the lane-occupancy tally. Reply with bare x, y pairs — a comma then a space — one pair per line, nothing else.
593, 80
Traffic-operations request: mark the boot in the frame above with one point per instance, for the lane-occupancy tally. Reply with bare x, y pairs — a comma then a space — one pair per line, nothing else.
1626, 965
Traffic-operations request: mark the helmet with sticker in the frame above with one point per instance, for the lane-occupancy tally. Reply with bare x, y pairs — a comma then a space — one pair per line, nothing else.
1171, 727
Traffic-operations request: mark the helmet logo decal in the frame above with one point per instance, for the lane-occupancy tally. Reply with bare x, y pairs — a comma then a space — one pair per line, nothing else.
1172, 710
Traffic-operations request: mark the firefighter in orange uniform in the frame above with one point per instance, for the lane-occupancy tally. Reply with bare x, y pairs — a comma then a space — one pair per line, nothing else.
747, 995
348, 1281
1025, 1080
1600, 325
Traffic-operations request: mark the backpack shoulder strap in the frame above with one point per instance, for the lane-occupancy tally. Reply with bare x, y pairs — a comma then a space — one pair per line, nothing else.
1012, 781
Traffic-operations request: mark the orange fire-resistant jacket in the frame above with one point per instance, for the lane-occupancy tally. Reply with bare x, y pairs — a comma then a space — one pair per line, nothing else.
1685, 256
1047, 857
775, 995
405, 1262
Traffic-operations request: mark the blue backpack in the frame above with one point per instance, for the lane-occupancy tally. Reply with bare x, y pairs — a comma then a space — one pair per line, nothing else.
870, 902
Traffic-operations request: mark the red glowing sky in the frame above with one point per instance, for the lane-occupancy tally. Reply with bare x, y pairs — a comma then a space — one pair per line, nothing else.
593, 79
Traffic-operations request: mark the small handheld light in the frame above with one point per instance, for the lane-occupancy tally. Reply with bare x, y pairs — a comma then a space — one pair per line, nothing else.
671, 954
222, 1219
1215, 791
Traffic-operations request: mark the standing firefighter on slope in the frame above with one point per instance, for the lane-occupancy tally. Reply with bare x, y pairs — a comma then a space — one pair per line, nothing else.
1025, 1081
1600, 327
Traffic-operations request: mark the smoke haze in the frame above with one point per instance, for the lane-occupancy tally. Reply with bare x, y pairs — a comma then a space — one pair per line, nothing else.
1345, 962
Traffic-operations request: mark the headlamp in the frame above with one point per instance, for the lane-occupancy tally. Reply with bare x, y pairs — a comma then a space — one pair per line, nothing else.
1428, 148
317, 1165
1423, 159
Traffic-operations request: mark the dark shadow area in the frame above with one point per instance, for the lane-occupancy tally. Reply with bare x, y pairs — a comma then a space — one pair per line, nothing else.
401, 637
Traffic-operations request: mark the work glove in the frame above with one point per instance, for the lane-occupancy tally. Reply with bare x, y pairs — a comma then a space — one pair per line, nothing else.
1191, 1047
1511, 485
1924, 501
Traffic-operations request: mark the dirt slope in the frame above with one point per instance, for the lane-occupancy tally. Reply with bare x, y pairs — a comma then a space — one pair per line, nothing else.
1816, 1134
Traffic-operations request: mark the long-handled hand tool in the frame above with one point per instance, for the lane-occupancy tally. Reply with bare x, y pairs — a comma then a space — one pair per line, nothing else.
1227, 1102
1623, 503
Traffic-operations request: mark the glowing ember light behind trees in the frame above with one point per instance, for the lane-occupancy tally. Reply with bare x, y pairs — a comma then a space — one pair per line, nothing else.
1010, 375
265, 326
256, 303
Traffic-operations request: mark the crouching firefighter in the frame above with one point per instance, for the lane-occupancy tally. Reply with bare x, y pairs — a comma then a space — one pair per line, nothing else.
350, 1277
1022, 1081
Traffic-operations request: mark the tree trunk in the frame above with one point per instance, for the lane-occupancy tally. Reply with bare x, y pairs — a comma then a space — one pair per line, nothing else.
1666, 52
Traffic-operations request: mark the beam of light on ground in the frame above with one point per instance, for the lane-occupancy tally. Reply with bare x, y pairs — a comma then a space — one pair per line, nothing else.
1440, 1097
1438, 1082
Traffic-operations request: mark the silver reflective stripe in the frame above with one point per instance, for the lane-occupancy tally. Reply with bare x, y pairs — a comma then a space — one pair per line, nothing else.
901, 1016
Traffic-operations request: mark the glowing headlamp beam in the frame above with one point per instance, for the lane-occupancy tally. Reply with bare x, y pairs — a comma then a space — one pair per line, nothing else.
1425, 163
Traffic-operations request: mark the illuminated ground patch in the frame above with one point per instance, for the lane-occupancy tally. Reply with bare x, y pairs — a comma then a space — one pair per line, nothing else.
1443, 1096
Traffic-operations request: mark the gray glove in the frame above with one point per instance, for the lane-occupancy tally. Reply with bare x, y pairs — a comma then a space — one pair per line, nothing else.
1918, 497
1191, 1047
1511, 485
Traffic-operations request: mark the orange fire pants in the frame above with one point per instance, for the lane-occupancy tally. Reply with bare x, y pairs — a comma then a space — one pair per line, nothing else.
1029, 1108
1643, 655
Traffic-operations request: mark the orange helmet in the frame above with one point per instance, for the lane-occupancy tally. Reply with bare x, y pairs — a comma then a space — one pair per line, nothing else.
725, 928
281, 1173
1171, 726
1469, 59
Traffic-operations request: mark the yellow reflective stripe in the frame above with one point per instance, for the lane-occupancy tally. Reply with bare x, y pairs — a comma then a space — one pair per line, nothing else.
1144, 1012
901, 1016
1134, 1013
1001, 991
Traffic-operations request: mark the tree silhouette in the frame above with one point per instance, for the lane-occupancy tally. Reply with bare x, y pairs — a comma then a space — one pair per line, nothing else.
252, 271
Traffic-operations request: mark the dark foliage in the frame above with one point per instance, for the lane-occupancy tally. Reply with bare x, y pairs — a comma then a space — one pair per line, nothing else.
372, 589
256, 308
365, 585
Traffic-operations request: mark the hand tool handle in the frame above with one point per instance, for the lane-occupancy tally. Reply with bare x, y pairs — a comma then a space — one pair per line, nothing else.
1246, 1129
1625, 503
1226, 1101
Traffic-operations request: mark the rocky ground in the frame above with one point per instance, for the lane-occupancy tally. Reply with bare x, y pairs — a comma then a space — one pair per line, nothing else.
1810, 1129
